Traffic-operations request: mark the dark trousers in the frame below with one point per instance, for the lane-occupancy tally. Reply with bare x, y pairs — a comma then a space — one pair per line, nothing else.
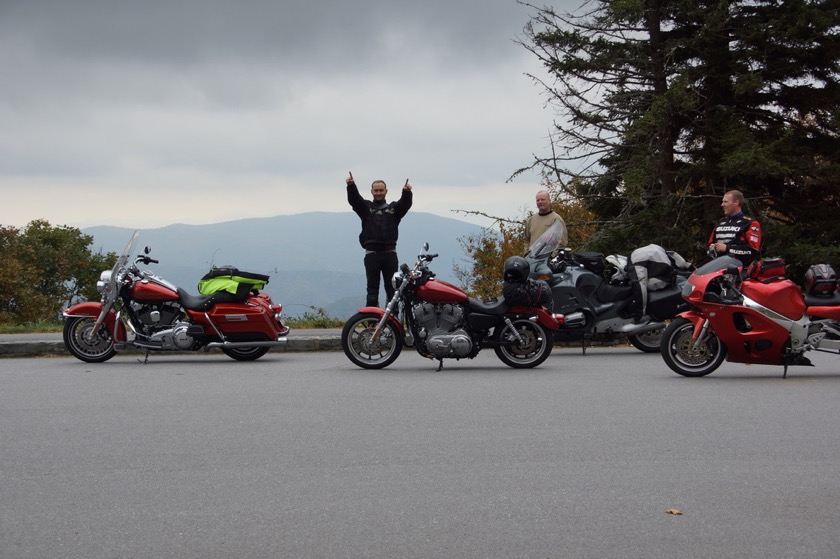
380, 264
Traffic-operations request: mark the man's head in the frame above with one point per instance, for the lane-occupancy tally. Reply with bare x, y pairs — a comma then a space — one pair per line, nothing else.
732, 202
378, 190
543, 202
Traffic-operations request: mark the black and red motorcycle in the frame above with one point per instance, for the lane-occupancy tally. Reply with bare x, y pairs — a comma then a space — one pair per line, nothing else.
141, 310
441, 322
763, 318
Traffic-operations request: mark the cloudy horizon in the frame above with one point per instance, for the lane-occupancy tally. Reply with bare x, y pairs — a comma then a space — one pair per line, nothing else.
147, 114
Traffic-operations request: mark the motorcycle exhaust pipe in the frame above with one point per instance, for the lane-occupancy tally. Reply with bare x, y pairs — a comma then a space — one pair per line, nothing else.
213, 345
574, 319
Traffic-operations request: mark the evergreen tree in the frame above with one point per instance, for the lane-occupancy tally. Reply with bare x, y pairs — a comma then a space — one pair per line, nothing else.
664, 105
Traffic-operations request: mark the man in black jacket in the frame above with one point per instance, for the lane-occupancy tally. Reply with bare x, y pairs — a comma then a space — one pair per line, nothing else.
380, 229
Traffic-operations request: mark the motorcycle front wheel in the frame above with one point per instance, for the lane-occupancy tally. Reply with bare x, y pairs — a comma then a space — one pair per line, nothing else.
648, 342
86, 345
245, 353
683, 358
357, 345
534, 348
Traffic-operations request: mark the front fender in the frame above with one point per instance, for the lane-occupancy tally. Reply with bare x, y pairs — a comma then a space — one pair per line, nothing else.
697, 319
92, 309
392, 320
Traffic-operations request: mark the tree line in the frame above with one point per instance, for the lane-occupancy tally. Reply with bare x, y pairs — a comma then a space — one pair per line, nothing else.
661, 106
45, 269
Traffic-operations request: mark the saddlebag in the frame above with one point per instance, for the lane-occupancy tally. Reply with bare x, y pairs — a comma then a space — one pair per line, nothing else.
531, 293
820, 280
232, 280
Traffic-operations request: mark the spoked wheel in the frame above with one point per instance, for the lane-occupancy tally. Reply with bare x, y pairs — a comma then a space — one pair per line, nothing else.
245, 353
357, 345
534, 348
649, 341
84, 344
680, 354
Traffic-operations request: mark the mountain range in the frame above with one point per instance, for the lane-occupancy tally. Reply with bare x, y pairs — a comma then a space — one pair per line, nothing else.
314, 259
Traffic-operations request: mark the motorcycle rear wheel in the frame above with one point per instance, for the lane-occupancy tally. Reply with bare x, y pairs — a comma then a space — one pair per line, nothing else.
356, 342
96, 350
683, 358
245, 353
648, 342
535, 349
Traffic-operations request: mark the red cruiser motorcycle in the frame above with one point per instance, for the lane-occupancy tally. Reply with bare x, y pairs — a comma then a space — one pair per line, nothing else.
139, 309
440, 321
761, 320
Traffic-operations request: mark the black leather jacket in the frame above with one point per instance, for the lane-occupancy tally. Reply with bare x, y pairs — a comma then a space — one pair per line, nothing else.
380, 220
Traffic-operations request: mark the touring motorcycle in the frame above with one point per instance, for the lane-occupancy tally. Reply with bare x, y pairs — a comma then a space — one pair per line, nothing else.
141, 310
441, 322
761, 319
600, 304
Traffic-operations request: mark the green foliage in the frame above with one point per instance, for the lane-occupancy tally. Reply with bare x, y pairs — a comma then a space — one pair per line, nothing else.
314, 320
45, 269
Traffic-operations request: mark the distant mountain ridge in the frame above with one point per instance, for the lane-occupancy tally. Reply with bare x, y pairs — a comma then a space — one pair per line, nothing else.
314, 259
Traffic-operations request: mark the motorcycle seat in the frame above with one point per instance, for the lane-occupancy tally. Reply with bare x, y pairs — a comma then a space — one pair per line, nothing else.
204, 302
832, 300
495, 306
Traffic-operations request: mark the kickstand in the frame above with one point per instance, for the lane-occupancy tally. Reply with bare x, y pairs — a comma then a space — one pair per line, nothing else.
439, 366
583, 346
784, 375
145, 358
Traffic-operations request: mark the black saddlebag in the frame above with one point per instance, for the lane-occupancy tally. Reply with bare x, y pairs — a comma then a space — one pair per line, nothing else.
532, 293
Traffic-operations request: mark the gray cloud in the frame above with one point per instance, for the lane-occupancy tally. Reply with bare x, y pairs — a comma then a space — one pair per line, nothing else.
283, 95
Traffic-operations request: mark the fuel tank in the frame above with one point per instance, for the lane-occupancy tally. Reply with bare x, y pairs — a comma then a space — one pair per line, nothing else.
149, 291
782, 296
437, 291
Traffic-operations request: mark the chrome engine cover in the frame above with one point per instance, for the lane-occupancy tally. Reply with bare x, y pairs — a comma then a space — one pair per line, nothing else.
440, 327
175, 338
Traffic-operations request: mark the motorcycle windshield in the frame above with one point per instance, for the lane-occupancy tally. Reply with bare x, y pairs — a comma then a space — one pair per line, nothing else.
110, 293
719, 263
547, 242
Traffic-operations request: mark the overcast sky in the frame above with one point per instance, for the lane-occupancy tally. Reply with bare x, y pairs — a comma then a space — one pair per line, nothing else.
147, 113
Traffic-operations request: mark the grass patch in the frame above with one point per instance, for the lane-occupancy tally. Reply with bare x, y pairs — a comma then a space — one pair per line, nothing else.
43, 327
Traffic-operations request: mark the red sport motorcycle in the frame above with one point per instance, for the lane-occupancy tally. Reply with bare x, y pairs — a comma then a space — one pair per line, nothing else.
440, 321
141, 310
762, 319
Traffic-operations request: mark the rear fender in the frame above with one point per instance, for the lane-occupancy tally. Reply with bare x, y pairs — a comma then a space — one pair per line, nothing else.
545, 318
92, 309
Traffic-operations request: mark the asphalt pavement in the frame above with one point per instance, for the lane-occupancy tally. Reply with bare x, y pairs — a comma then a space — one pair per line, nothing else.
607, 455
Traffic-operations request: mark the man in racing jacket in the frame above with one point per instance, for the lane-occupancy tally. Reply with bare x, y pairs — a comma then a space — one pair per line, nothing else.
736, 234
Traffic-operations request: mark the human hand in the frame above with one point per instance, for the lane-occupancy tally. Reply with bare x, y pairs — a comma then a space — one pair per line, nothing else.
406, 186
349, 179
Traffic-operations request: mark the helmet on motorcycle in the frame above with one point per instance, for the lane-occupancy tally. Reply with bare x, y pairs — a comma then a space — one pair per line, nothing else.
517, 269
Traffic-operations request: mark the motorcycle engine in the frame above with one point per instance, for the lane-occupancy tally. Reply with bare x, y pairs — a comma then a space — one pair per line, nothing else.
178, 337
157, 315
441, 328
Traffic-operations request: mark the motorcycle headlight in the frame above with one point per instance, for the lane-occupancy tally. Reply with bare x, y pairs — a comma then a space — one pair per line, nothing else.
104, 281
687, 289
396, 280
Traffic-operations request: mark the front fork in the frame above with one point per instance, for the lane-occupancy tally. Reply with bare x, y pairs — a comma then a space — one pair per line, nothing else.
700, 335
